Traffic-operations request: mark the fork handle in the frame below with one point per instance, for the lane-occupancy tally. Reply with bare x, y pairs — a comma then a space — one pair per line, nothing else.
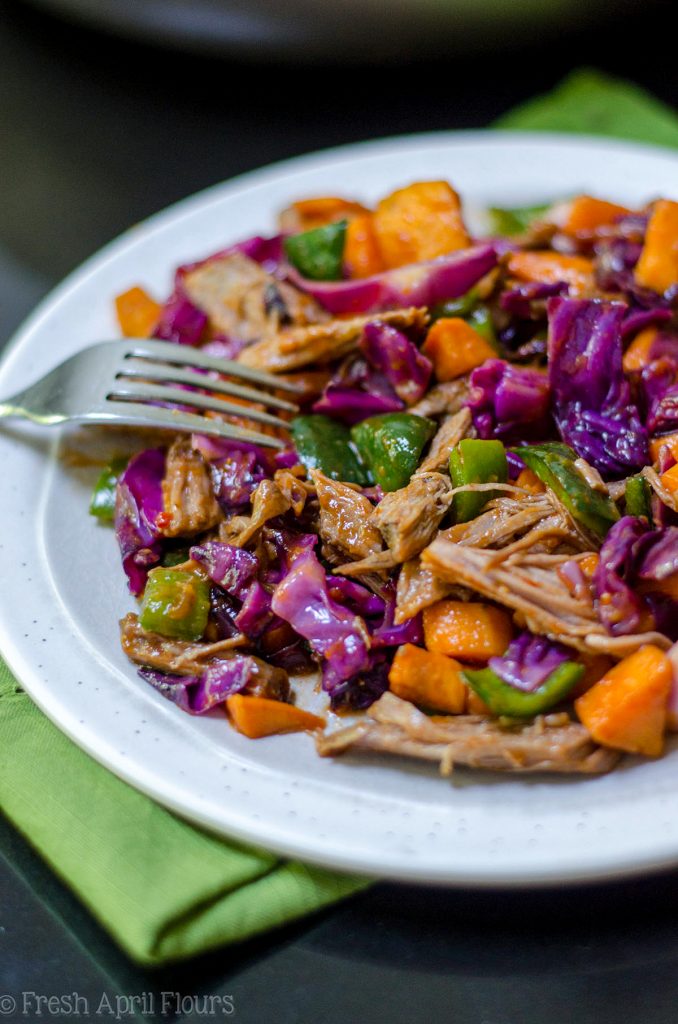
13, 407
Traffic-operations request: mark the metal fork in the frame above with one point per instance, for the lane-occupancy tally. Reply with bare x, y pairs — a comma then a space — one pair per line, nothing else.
116, 382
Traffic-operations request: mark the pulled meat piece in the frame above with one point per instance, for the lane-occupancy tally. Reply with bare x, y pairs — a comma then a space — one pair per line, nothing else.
245, 302
408, 518
269, 500
345, 526
539, 595
451, 431
183, 658
447, 397
294, 489
188, 495
417, 589
321, 343
550, 743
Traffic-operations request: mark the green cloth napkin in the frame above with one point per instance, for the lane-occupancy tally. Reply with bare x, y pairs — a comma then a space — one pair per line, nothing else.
163, 889
589, 102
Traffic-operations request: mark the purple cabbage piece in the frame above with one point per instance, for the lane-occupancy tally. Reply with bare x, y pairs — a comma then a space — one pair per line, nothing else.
232, 568
180, 321
388, 634
224, 347
363, 688
619, 607
355, 596
268, 252
237, 468
515, 465
336, 634
616, 259
235, 477
660, 388
198, 694
529, 661
351, 406
393, 354
659, 555
634, 553
507, 400
256, 617
223, 610
518, 300
138, 504
419, 284
638, 319
591, 397
357, 391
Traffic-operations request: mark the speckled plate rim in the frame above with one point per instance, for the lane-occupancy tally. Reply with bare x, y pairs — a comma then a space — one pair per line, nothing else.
381, 817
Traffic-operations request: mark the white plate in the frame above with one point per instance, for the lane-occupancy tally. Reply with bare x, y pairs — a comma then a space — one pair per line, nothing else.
63, 589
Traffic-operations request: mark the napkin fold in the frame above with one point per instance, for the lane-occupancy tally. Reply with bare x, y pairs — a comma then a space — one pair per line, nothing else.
164, 889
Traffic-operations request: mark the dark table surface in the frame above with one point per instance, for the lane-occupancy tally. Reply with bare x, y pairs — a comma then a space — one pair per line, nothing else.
96, 134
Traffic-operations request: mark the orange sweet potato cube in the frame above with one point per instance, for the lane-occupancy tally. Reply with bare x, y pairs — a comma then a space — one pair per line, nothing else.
627, 708
428, 679
468, 630
418, 223
657, 267
455, 348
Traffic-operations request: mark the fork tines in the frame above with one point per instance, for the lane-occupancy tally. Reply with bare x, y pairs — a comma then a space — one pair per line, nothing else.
157, 371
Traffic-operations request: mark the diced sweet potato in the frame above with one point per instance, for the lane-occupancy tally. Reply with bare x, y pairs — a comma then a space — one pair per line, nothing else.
259, 716
530, 481
419, 223
668, 440
467, 630
670, 479
639, 352
428, 679
552, 267
657, 267
585, 213
627, 708
137, 313
307, 214
361, 250
455, 348
475, 705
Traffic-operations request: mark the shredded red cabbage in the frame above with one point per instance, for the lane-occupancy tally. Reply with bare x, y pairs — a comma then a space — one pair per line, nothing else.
529, 661
334, 632
356, 392
181, 321
420, 284
591, 398
508, 401
198, 694
393, 354
232, 568
138, 504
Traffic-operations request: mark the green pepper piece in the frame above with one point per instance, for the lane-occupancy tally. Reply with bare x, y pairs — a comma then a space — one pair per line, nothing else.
515, 220
481, 321
102, 502
476, 462
504, 699
175, 604
391, 445
176, 556
553, 463
323, 443
463, 306
318, 254
637, 497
